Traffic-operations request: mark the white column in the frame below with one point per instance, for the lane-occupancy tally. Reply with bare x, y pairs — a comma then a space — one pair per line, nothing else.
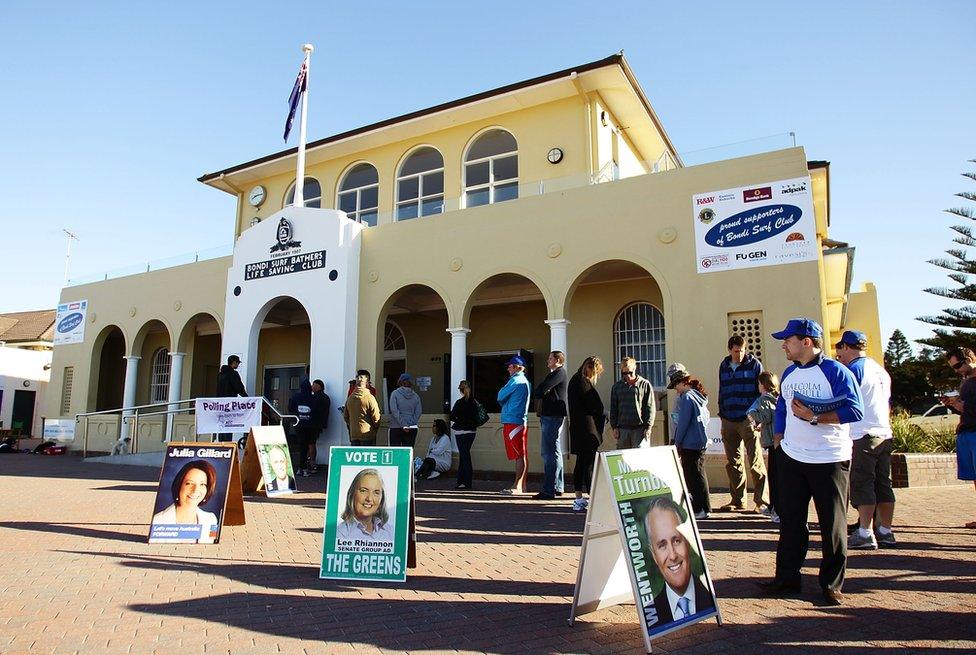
557, 334
175, 389
129, 390
557, 341
459, 359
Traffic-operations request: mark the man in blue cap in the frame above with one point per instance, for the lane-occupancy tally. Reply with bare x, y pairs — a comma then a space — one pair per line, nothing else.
819, 398
514, 400
871, 463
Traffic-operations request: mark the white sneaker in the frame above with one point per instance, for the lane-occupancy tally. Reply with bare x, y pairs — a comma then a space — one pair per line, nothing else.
702, 515
433, 474
773, 516
580, 504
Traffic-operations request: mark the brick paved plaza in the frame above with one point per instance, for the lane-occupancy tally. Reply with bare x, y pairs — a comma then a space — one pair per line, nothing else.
496, 575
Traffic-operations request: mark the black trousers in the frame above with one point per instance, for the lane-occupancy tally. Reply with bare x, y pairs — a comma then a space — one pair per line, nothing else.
403, 437
426, 468
693, 466
772, 476
465, 471
826, 485
583, 471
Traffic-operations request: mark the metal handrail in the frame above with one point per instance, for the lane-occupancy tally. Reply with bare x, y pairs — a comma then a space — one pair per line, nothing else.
132, 414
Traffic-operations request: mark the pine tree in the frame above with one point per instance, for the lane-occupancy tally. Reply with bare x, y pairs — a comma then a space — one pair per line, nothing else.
961, 319
899, 350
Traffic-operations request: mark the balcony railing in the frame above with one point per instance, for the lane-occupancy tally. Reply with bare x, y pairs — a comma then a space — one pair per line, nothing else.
609, 172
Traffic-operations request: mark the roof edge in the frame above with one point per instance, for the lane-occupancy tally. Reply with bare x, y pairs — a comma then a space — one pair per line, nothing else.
617, 59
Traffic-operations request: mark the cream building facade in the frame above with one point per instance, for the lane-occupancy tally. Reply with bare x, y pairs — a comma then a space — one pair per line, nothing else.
550, 214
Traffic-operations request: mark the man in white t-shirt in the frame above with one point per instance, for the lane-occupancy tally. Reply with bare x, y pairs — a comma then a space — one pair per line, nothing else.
819, 398
871, 463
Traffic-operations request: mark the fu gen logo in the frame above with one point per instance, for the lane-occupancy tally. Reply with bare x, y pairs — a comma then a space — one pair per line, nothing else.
284, 237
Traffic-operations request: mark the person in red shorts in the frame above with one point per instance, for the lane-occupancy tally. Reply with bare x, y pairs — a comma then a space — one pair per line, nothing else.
514, 400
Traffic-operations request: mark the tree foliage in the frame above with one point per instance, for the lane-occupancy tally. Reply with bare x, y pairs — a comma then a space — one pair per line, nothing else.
957, 324
898, 349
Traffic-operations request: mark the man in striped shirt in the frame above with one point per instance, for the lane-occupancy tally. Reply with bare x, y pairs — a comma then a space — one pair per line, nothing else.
738, 388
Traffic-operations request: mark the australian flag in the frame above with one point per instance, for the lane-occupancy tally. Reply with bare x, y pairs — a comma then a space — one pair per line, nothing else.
295, 97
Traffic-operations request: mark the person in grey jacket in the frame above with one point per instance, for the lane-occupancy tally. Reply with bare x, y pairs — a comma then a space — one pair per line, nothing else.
632, 407
404, 413
689, 435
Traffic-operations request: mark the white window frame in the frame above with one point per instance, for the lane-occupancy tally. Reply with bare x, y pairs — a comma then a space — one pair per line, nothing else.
306, 201
398, 353
492, 183
159, 376
652, 369
357, 215
420, 198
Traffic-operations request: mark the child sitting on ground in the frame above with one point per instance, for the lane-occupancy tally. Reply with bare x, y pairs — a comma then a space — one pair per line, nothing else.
438, 459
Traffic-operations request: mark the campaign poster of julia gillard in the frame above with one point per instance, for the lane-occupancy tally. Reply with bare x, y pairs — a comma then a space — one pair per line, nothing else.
192, 494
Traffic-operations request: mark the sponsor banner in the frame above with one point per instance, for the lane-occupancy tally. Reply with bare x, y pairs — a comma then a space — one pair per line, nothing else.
227, 414
192, 494
69, 323
367, 514
59, 429
757, 225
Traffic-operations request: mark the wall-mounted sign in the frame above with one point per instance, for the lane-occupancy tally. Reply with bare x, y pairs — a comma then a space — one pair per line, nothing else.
69, 323
290, 258
758, 225
59, 429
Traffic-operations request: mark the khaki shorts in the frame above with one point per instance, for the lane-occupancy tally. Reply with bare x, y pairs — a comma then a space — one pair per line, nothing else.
871, 471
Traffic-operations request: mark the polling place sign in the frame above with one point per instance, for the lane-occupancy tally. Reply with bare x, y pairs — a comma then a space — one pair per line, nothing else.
367, 514
227, 414
757, 225
69, 323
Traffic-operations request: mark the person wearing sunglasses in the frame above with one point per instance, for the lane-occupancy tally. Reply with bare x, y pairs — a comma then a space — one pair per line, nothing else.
632, 407
963, 362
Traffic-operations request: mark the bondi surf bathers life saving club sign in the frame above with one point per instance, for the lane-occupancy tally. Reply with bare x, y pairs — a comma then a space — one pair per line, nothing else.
757, 225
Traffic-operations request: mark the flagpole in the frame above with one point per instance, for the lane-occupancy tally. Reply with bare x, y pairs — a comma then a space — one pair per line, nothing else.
300, 174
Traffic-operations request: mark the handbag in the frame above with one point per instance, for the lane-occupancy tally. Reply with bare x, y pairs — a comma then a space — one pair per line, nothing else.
482, 415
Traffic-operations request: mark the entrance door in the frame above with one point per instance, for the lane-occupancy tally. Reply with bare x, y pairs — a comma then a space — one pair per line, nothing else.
280, 382
392, 370
23, 415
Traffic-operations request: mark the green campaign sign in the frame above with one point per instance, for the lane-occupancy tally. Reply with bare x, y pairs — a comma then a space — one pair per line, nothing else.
367, 513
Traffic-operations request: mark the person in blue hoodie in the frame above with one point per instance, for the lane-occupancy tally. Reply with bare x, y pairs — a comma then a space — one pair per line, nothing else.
689, 435
514, 400
306, 407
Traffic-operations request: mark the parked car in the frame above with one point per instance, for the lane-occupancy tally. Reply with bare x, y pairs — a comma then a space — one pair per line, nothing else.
936, 418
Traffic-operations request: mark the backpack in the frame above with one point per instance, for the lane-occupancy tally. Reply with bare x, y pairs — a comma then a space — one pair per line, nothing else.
482, 415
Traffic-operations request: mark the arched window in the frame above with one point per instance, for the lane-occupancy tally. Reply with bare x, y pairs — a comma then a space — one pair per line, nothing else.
394, 343
491, 169
638, 332
420, 184
159, 376
358, 194
312, 193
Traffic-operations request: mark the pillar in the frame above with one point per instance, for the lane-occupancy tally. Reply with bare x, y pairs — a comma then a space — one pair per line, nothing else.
557, 334
175, 382
459, 359
129, 391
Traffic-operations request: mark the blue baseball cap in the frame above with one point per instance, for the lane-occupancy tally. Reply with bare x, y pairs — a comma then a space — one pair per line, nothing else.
854, 338
800, 327
515, 361
405, 377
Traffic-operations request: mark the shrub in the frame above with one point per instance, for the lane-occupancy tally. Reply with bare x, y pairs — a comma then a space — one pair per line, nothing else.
910, 438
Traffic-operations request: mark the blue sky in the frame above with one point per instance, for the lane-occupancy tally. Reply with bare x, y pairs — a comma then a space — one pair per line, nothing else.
111, 110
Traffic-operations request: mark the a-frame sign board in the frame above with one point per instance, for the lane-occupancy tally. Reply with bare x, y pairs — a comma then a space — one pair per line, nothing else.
634, 495
266, 467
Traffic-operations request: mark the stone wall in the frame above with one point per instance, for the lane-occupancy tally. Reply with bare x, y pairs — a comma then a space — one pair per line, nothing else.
923, 470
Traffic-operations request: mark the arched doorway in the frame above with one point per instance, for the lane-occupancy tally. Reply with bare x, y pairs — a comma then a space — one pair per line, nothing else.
107, 380
415, 314
283, 353
616, 309
200, 342
507, 315
152, 344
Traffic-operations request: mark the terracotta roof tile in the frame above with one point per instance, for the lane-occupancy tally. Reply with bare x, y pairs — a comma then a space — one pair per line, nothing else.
27, 326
